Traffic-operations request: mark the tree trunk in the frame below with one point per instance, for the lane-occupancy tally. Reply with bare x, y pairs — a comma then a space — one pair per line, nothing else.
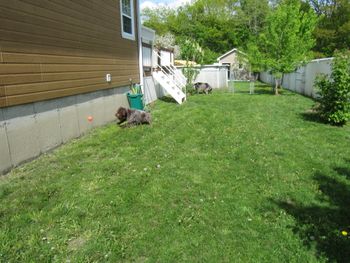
281, 83
256, 76
276, 86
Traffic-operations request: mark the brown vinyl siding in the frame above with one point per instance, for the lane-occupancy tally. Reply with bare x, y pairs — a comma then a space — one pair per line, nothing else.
56, 48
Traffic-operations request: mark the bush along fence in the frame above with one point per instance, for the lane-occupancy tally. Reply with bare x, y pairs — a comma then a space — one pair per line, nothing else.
334, 99
303, 79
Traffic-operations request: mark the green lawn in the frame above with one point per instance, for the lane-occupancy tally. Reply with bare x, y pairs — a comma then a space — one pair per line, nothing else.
223, 178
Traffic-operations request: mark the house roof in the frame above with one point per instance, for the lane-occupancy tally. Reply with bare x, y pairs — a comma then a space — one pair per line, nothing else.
148, 29
147, 34
229, 52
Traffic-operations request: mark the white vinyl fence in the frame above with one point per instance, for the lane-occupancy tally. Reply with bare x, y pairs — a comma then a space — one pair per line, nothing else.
214, 75
302, 80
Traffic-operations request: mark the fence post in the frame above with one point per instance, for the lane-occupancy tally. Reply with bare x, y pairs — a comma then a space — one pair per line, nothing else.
217, 77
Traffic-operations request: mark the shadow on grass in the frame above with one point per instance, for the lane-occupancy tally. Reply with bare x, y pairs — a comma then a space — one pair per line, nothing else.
344, 171
320, 225
263, 89
259, 89
168, 99
312, 117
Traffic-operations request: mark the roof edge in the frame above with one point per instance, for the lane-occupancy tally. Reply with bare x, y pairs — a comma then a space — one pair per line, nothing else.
229, 52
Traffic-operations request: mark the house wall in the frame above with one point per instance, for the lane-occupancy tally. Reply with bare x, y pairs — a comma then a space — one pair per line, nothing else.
54, 57
302, 80
236, 72
58, 48
230, 58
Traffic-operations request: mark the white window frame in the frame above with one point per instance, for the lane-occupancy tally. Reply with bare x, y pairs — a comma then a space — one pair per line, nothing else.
132, 17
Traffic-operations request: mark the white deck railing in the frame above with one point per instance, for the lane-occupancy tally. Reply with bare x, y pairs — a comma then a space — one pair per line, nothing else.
172, 73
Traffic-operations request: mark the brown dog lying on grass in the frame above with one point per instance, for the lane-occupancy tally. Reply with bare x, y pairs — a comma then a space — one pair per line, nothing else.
133, 117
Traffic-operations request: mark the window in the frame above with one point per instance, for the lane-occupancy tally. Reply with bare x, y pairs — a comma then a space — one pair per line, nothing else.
147, 59
127, 19
147, 56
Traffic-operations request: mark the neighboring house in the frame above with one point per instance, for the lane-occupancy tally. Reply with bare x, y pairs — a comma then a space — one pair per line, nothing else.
64, 68
238, 68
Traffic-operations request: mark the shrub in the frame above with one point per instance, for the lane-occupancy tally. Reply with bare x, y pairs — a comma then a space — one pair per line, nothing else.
191, 51
334, 91
191, 74
190, 89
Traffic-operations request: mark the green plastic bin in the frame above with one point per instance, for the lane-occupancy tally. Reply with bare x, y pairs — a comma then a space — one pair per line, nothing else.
135, 101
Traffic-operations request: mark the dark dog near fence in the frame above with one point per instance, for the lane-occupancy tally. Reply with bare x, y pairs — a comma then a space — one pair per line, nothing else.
133, 117
202, 87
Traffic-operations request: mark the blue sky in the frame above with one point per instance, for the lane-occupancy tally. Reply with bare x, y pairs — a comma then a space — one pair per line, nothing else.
169, 3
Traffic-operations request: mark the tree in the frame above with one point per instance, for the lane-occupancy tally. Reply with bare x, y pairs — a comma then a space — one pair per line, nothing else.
157, 19
333, 30
254, 56
214, 24
252, 15
191, 51
167, 41
210, 23
287, 39
220, 25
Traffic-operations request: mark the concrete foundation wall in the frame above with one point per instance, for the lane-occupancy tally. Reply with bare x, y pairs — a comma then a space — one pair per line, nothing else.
28, 130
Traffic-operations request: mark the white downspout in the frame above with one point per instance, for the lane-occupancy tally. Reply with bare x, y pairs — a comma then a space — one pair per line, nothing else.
140, 44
